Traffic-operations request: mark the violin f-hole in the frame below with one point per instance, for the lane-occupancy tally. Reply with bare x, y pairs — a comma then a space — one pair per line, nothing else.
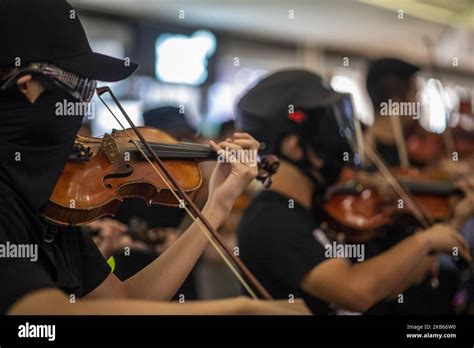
117, 175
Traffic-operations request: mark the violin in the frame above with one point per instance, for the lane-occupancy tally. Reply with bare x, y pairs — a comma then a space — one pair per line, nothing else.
362, 204
101, 172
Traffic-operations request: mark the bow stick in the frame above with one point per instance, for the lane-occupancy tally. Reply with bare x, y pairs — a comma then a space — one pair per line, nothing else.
193, 210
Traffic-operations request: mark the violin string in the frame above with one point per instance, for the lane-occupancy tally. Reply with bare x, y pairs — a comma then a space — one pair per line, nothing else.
184, 152
189, 153
180, 147
160, 147
196, 220
382, 167
179, 155
183, 145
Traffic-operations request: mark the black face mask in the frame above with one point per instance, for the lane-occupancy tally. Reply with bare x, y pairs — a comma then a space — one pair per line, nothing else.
324, 135
40, 136
52, 119
328, 174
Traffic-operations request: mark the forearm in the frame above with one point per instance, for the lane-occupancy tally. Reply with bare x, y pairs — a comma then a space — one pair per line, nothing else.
380, 276
162, 278
202, 193
415, 277
54, 302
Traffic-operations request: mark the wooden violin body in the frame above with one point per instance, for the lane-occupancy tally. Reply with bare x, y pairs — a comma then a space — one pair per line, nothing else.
362, 207
95, 186
102, 172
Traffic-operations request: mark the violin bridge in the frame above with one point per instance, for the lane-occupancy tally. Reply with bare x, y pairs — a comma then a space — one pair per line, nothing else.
110, 148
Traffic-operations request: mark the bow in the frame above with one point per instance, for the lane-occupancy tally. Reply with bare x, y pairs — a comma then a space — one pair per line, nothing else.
186, 203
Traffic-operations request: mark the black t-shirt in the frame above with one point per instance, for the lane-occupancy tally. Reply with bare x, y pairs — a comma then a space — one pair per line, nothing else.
278, 245
64, 258
35, 143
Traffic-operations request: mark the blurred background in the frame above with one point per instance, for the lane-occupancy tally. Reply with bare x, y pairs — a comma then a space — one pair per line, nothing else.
199, 56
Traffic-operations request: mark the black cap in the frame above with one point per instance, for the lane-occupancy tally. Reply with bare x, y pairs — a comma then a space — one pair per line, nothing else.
384, 67
50, 31
264, 111
300, 88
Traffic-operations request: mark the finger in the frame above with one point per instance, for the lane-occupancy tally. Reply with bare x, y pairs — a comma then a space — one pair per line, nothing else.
239, 135
24, 79
246, 136
220, 149
232, 152
247, 143
461, 246
224, 145
213, 144
462, 242
249, 154
463, 185
230, 145
465, 254
216, 147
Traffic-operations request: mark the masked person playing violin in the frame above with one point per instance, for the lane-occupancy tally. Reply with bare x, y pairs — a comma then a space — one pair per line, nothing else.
44, 61
309, 126
392, 81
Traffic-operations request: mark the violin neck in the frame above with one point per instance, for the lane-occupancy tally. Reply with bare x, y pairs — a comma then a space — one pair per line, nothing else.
184, 151
431, 188
415, 187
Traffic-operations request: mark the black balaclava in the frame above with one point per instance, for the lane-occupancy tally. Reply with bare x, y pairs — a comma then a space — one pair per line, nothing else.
42, 138
321, 133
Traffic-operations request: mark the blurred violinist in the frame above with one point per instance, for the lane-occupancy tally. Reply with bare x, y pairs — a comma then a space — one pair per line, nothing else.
396, 132
398, 139
391, 84
310, 127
